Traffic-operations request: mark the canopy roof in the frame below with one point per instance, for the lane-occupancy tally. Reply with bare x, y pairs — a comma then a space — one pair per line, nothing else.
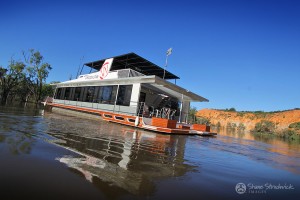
135, 62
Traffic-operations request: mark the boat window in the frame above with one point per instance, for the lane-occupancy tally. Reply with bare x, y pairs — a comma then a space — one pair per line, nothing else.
77, 93
99, 95
58, 93
67, 93
83, 94
96, 92
90, 94
113, 94
108, 94
124, 95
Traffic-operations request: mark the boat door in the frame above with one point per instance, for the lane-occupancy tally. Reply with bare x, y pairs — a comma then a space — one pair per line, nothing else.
142, 97
142, 100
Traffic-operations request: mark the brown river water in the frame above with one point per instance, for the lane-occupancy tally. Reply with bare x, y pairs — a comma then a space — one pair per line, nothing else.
45, 155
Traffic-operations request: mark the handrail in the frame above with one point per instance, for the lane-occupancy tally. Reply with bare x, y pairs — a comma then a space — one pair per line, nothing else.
130, 73
141, 108
96, 105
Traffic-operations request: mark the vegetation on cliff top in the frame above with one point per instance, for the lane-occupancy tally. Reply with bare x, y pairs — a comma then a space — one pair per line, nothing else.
254, 112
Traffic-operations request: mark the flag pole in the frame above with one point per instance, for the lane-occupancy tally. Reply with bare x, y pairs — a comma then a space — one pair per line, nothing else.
169, 51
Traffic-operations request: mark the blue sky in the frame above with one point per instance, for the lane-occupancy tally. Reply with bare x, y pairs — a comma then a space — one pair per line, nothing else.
242, 54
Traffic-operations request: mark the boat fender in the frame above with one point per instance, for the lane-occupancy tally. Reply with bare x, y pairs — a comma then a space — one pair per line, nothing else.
137, 121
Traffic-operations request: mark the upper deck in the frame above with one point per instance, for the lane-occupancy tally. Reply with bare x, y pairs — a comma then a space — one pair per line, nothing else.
134, 62
131, 69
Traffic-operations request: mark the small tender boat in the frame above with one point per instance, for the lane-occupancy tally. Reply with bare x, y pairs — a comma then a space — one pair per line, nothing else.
131, 90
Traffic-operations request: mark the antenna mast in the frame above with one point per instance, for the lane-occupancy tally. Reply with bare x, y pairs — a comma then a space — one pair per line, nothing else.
80, 63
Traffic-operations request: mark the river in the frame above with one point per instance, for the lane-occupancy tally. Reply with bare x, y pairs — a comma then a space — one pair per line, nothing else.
45, 155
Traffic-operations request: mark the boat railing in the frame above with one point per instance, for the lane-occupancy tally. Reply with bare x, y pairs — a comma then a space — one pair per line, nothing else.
132, 108
125, 73
166, 113
110, 106
141, 109
149, 111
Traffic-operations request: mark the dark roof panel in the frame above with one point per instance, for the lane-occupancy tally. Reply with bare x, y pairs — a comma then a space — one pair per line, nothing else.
135, 62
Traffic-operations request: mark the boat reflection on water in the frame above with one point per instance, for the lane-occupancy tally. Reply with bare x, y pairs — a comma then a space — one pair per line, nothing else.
124, 157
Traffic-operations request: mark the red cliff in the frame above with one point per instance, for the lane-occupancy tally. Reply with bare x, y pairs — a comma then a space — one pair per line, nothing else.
281, 119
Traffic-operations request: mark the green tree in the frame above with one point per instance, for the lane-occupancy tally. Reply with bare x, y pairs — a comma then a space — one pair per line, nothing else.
37, 71
47, 90
192, 115
194, 119
241, 127
22, 90
232, 109
10, 78
202, 120
295, 125
264, 127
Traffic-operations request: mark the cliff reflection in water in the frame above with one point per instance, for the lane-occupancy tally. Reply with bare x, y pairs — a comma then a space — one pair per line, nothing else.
276, 144
277, 151
124, 157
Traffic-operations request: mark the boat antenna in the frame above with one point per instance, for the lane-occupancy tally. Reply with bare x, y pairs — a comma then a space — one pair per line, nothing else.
169, 51
92, 67
80, 63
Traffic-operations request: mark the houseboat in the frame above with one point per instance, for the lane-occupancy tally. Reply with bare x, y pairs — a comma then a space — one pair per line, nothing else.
130, 90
